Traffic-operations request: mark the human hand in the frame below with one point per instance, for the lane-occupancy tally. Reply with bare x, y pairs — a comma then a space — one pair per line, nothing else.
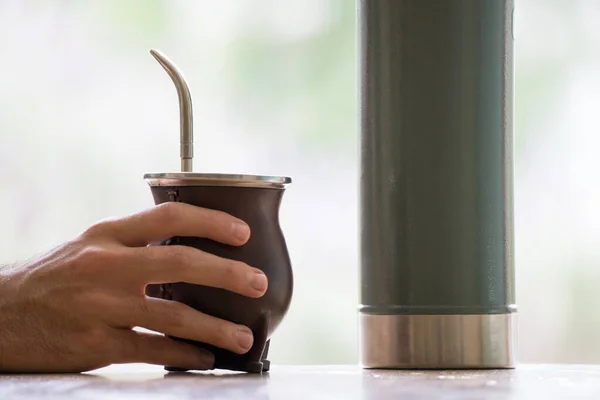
73, 309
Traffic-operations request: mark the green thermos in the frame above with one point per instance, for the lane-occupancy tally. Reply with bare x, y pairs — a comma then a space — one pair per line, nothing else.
436, 184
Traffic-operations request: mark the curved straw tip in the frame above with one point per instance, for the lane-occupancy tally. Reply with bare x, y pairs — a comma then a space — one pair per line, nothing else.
156, 53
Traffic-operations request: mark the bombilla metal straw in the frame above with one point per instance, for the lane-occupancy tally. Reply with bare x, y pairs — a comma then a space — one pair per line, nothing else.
185, 110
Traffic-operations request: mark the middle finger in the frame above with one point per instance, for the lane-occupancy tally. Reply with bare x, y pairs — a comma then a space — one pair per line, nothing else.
170, 264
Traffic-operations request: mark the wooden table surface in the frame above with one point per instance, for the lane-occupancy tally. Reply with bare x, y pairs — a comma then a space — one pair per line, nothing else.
147, 382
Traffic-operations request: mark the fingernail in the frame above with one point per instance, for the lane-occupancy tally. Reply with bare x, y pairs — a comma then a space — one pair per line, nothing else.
258, 281
244, 338
241, 231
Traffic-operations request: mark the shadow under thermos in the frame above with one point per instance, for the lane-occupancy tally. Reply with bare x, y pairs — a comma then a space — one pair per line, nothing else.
436, 184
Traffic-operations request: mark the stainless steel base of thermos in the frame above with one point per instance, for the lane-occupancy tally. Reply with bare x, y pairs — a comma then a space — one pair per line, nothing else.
438, 341
436, 184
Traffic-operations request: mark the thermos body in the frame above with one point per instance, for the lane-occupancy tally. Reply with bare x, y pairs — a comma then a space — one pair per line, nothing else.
436, 184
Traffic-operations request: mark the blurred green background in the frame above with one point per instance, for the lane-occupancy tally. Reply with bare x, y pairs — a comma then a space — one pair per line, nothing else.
85, 111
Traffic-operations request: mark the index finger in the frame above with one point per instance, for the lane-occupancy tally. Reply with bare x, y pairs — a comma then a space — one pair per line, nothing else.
170, 219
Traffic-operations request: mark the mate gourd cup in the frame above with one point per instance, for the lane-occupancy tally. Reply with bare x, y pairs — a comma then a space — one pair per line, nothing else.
255, 200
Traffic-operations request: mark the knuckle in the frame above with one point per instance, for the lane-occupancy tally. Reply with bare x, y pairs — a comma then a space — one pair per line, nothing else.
176, 318
90, 256
92, 339
101, 227
220, 334
128, 348
180, 256
233, 272
169, 211
218, 218
216, 222
95, 299
143, 307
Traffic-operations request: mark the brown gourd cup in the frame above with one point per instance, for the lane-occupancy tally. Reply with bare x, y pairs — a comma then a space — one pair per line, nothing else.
255, 200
